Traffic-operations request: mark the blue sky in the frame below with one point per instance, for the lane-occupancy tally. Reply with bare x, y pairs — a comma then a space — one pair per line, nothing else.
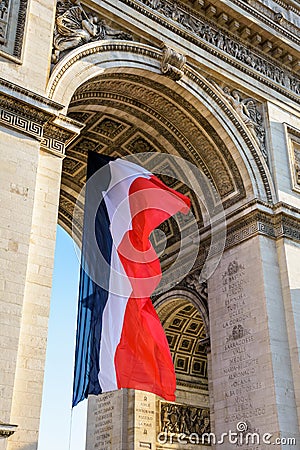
56, 430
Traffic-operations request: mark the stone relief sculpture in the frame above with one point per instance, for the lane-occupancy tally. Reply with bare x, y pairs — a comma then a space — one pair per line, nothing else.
75, 27
177, 419
247, 110
221, 40
297, 165
172, 63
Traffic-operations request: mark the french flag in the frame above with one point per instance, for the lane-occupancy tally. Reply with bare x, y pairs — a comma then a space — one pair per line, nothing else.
120, 342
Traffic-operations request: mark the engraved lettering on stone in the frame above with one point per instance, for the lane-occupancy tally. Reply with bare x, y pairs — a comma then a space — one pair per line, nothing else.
74, 27
172, 63
242, 366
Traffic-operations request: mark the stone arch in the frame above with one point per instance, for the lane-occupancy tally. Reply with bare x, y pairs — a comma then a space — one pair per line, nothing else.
167, 303
93, 62
184, 315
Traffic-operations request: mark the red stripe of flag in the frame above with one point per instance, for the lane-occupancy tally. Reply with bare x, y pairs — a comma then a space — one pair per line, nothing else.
143, 360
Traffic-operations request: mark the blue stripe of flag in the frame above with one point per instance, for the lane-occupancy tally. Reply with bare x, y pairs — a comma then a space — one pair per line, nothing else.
92, 298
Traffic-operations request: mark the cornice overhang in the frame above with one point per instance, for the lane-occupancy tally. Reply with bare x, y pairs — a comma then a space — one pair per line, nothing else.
252, 219
278, 73
6, 430
36, 116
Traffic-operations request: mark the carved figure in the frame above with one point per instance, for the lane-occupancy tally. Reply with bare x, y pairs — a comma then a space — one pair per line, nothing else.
174, 419
183, 428
172, 63
184, 419
240, 106
247, 110
74, 27
165, 418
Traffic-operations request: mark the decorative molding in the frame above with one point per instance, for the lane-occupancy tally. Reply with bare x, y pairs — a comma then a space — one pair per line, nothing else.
102, 47
278, 222
293, 139
53, 131
250, 113
6, 429
272, 18
177, 418
21, 94
56, 138
172, 63
16, 121
75, 26
193, 27
13, 15
252, 219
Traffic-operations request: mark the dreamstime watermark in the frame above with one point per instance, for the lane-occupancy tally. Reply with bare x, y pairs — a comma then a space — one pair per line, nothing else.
241, 436
205, 197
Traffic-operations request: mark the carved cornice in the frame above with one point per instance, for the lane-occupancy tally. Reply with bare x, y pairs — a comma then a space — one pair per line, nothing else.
54, 131
279, 221
270, 17
19, 93
7, 429
193, 27
57, 136
252, 219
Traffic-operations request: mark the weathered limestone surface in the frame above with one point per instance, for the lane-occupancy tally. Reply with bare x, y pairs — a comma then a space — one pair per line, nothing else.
251, 365
254, 295
34, 70
31, 179
19, 161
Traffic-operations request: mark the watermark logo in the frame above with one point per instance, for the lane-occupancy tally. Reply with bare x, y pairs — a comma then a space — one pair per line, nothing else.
240, 436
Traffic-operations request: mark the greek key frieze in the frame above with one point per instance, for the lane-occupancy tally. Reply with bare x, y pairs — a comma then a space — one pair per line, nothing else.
23, 124
196, 29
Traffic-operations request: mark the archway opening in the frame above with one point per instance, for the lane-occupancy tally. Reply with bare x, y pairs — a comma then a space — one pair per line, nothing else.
187, 334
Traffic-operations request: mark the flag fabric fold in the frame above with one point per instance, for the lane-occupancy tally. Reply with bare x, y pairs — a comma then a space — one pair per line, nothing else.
120, 342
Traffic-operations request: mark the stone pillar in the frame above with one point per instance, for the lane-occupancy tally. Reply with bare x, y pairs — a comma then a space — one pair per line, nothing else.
289, 257
30, 183
18, 165
122, 420
29, 375
251, 366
